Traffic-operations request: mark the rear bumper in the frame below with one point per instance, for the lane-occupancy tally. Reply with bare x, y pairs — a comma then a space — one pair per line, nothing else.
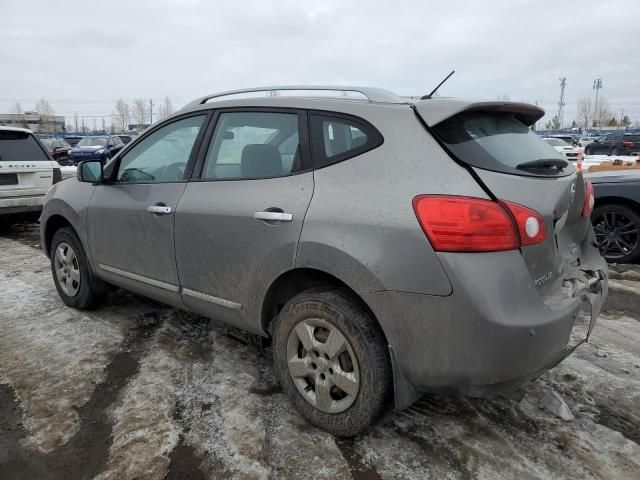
492, 334
12, 205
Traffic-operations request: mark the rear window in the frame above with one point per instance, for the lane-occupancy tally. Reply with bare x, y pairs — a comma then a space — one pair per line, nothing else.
20, 146
499, 142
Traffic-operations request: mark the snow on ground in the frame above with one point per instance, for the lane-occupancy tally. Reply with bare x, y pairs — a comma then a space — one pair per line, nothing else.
52, 356
206, 387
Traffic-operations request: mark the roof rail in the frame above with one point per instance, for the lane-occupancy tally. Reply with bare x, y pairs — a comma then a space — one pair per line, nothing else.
376, 95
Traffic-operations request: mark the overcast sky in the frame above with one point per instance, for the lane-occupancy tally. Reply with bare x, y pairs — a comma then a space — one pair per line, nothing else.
83, 55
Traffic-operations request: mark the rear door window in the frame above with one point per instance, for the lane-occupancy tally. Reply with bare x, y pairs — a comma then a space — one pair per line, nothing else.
20, 146
498, 141
252, 145
337, 138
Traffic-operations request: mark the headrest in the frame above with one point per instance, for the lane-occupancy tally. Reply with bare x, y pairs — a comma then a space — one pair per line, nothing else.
260, 160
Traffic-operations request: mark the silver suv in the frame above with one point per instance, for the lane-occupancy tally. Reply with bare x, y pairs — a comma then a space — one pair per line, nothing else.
388, 246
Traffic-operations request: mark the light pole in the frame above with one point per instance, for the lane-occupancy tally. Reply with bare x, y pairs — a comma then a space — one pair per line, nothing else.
597, 85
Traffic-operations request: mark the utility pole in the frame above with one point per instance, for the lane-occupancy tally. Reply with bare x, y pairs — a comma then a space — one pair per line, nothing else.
535, 125
597, 85
563, 84
151, 111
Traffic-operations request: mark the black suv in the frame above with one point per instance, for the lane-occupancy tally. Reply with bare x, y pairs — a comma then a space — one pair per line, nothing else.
614, 144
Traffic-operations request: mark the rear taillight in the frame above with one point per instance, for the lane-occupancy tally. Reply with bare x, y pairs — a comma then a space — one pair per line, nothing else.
57, 176
530, 224
468, 224
627, 144
589, 199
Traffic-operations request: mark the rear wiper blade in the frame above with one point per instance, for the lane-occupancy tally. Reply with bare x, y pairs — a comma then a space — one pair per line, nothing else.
548, 163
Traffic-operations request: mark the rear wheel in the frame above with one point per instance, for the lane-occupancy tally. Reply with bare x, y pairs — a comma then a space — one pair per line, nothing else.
587, 151
76, 284
617, 230
332, 361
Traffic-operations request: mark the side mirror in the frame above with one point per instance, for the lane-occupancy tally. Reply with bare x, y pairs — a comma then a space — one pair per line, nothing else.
90, 171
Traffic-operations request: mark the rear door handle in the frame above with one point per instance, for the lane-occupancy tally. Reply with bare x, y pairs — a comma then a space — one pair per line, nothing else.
159, 209
273, 216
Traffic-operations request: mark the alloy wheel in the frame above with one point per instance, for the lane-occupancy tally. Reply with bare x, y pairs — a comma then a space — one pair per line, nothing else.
617, 235
323, 366
67, 269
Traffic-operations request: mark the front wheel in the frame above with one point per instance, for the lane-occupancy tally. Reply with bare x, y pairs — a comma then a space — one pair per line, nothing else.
614, 151
617, 230
332, 361
76, 284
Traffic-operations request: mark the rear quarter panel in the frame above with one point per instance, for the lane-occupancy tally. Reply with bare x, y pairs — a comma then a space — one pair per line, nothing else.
361, 227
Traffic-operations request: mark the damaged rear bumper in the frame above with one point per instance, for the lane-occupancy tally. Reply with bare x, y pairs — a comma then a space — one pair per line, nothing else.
492, 334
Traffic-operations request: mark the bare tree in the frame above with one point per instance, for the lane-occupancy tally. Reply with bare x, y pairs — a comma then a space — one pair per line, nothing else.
46, 112
121, 115
140, 111
585, 111
20, 120
604, 113
166, 108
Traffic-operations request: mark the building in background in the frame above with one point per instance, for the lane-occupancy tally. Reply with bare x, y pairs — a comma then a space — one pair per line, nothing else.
33, 121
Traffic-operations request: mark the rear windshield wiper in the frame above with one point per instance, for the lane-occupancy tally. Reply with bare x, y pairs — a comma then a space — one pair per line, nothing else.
544, 164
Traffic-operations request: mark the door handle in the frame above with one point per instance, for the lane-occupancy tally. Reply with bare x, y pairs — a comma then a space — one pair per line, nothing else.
273, 216
159, 209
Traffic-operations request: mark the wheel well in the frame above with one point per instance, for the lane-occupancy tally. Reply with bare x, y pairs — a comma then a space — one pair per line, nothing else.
293, 282
54, 223
618, 201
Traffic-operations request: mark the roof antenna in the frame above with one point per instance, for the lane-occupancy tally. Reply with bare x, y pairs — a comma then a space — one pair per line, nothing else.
427, 97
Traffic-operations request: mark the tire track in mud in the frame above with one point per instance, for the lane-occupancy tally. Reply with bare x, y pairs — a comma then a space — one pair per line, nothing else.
87, 452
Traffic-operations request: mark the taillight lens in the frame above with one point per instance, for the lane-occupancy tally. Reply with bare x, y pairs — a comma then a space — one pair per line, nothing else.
627, 144
57, 176
589, 199
530, 224
469, 224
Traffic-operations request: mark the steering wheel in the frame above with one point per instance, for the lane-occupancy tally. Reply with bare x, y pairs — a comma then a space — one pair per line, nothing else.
174, 171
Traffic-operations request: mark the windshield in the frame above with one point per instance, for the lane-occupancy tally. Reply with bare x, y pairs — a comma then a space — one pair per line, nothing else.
48, 142
92, 142
556, 142
20, 146
495, 141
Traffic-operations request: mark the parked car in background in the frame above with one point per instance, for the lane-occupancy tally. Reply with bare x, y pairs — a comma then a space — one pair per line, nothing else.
127, 138
72, 139
27, 170
567, 151
59, 149
102, 148
584, 141
616, 216
614, 144
387, 246
570, 139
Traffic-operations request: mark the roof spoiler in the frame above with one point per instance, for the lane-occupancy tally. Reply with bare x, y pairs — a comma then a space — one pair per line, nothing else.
437, 110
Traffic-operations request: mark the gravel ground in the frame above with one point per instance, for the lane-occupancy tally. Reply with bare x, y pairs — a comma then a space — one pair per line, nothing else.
140, 390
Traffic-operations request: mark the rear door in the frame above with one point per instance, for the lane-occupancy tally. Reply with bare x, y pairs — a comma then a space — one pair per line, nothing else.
238, 223
26, 169
517, 166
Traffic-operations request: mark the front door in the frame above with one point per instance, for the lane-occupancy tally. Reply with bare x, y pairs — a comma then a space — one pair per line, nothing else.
130, 220
238, 224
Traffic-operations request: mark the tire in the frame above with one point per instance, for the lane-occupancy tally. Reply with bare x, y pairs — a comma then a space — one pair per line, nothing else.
317, 313
624, 245
614, 151
67, 254
587, 151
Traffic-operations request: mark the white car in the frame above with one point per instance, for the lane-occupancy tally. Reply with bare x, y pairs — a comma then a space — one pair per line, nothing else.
27, 171
568, 151
584, 141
